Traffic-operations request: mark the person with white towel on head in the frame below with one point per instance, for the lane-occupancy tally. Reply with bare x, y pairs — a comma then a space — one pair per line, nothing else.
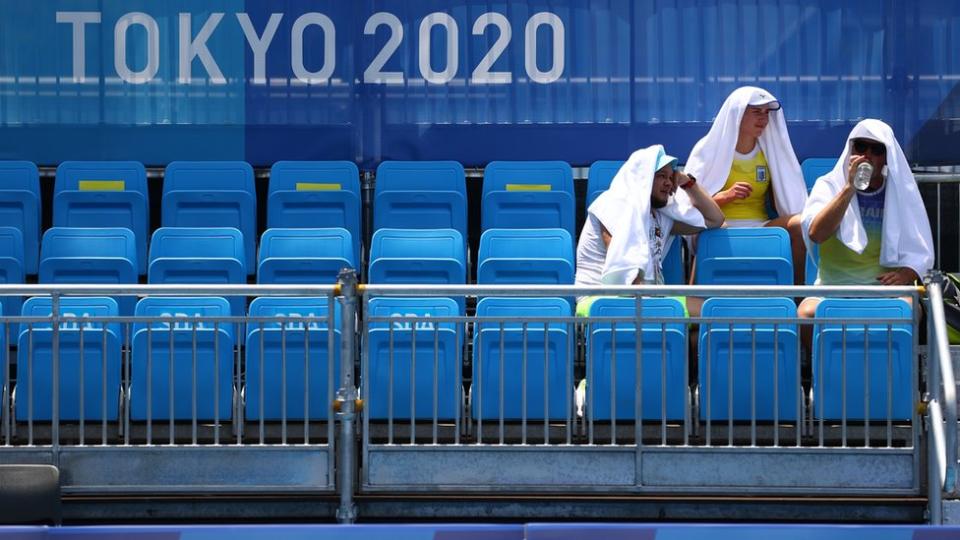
630, 226
876, 235
747, 157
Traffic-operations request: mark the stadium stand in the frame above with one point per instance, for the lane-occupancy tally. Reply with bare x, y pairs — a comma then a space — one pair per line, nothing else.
20, 207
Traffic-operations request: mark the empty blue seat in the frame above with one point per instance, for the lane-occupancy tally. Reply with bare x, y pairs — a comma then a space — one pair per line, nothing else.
186, 363
409, 256
612, 361
310, 194
528, 195
420, 195
11, 267
421, 380
599, 176
20, 207
814, 168
547, 386
212, 194
298, 350
89, 357
198, 255
104, 194
774, 365
525, 256
744, 256
80, 255
304, 255
840, 370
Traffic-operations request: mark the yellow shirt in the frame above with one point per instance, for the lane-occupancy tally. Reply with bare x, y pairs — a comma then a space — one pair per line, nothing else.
753, 170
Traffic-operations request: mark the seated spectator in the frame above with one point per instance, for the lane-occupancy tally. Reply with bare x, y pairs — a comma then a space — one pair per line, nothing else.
746, 158
877, 236
630, 226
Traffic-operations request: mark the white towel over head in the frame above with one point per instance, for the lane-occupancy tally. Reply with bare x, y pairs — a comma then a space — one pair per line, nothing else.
624, 210
906, 240
712, 156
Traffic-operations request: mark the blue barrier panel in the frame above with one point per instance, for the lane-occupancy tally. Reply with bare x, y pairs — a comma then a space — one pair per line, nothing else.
473, 81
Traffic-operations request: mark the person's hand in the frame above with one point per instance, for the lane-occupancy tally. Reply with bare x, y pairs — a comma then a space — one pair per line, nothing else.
855, 162
900, 276
680, 179
740, 190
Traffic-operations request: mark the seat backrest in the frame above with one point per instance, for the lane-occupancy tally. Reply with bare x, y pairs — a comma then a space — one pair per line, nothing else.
814, 168
746, 255
309, 194
290, 306
212, 194
104, 194
526, 244
419, 308
506, 307
410, 256
599, 176
735, 307
528, 194
420, 195
649, 308
307, 244
197, 243
20, 207
71, 306
200, 306
78, 242
865, 308
11, 246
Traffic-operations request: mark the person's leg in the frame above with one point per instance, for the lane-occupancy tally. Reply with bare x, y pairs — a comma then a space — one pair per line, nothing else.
807, 310
797, 248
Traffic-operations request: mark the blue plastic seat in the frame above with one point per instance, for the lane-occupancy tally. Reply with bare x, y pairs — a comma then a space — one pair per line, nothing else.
309, 374
814, 168
20, 207
212, 194
420, 195
166, 368
83, 370
413, 390
890, 361
11, 267
104, 194
99, 256
744, 256
774, 365
418, 256
528, 195
304, 255
312, 194
198, 255
612, 361
599, 176
812, 265
547, 386
525, 256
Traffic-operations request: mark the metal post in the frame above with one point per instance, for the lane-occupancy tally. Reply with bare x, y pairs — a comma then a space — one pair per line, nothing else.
346, 401
55, 352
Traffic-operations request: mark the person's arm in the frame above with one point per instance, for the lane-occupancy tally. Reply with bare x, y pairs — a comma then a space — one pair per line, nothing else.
826, 223
900, 276
739, 190
712, 215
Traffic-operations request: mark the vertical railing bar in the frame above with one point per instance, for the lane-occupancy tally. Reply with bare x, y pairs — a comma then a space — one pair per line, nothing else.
283, 380
707, 397
331, 373
170, 382
237, 376
889, 385
843, 384
776, 384
477, 393
866, 386
216, 382
82, 381
31, 385
730, 387
457, 388
128, 358
262, 413
389, 382
823, 381
753, 384
149, 383
55, 423
501, 368
588, 398
103, 385
523, 383
436, 379
613, 383
413, 381
7, 398
546, 383
798, 401
568, 376
663, 384
638, 369
193, 393
306, 379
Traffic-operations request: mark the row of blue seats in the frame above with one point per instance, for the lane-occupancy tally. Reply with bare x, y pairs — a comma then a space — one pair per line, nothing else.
398, 256
301, 194
418, 362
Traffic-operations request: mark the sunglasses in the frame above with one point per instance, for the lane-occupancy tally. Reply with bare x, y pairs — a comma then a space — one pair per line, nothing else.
861, 147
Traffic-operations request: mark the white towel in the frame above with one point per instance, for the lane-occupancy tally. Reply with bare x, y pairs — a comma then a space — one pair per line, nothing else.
624, 209
907, 241
711, 158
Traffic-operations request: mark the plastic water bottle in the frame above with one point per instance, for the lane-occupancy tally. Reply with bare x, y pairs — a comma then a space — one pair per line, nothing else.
861, 179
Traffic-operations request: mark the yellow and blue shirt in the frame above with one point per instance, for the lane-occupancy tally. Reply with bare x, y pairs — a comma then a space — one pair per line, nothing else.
753, 169
840, 265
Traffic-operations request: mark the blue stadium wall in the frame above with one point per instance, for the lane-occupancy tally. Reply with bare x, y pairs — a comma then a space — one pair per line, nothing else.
369, 80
